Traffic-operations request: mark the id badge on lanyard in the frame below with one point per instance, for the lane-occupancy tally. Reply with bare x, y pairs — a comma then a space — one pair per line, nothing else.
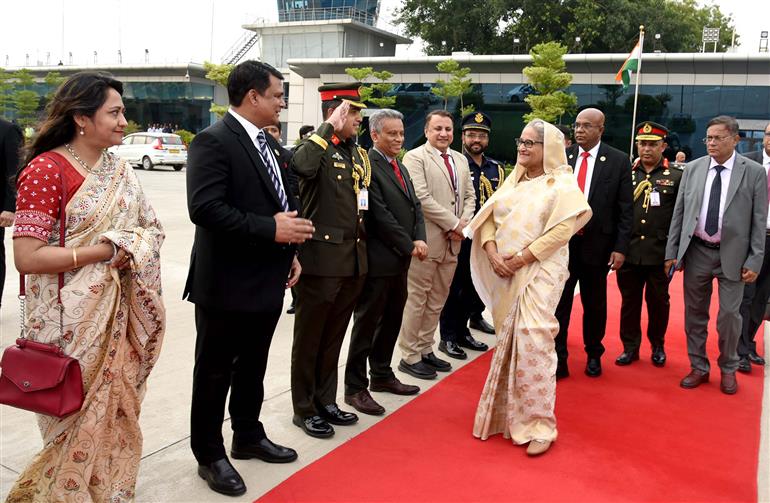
363, 199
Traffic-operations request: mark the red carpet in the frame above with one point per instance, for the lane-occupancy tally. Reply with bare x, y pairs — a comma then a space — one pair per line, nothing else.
631, 435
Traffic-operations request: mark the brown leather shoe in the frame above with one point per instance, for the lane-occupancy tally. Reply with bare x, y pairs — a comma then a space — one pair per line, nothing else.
364, 403
728, 385
694, 379
393, 385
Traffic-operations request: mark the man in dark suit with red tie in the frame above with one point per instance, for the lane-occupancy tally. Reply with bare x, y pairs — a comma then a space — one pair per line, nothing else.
604, 175
395, 234
242, 260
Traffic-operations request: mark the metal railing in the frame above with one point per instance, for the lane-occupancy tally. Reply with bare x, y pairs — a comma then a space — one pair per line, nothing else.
327, 13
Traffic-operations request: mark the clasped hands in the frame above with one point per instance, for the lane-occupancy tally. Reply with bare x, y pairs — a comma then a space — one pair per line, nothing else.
504, 266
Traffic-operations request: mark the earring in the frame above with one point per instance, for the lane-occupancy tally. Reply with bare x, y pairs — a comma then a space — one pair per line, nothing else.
82, 132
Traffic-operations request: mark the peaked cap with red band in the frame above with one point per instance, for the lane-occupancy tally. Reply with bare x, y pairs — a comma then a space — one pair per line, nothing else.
649, 130
338, 92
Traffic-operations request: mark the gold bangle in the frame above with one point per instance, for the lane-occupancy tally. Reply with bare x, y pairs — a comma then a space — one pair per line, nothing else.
75, 258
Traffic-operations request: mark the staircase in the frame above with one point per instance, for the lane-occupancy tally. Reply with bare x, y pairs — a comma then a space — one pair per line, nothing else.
241, 47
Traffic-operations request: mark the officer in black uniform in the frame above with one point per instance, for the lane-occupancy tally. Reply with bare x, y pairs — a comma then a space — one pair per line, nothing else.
463, 304
334, 175
656, 183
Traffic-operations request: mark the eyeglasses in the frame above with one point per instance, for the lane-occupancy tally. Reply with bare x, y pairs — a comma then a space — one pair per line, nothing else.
528, 144
583, 125
477, 136
715, 139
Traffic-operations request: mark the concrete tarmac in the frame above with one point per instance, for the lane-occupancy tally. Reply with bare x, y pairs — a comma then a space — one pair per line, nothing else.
168, 469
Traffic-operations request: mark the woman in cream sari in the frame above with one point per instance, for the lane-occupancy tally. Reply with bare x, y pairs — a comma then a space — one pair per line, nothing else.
519, 263
113, 315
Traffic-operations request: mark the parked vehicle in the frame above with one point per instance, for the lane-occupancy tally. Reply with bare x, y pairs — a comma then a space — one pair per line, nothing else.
147, 150
518, 93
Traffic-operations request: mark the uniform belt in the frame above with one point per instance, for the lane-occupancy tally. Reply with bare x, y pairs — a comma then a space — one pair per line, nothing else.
707, 244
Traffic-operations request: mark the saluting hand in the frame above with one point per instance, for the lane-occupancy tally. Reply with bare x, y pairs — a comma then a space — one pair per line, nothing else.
339, 116
291, 229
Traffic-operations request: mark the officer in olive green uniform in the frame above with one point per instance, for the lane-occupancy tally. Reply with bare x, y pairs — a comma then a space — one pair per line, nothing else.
656, 183
334, 175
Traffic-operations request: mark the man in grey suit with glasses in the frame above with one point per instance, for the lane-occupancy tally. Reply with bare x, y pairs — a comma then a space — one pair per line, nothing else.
717, 231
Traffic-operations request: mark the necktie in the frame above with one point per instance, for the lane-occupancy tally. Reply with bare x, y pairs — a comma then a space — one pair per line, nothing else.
397, 171
767, 170
269, 162
712, 215
583, 172
450, 170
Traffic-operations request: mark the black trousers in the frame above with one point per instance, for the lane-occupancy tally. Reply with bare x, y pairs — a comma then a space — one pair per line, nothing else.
231, 351
463, 301
593, 295
376, 323
2, 262
755, 296
324, 306
652, 282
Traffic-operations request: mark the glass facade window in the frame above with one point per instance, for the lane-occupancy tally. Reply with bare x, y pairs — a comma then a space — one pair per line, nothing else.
364, 11
685, 110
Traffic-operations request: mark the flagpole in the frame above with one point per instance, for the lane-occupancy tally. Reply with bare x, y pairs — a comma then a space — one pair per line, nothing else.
636, 91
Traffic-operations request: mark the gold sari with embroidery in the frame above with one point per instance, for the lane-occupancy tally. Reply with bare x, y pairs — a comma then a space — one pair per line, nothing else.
113, 324
520, 392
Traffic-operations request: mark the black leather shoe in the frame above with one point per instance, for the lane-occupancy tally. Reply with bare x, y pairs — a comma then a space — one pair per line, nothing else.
222, 477
420, 370
481, 325
658, 356
755, 358
627, 357
452, 350
263, 449
594, 367
562, 370
334, 415
744, 365
437, 363
314, 426
469, 342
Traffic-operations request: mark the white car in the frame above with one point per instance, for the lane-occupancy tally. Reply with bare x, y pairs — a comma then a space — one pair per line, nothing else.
150, 149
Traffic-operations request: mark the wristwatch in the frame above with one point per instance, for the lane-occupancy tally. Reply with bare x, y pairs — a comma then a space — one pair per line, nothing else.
520, 253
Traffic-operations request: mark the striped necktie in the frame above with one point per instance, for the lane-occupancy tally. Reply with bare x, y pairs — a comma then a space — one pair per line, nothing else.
269, 161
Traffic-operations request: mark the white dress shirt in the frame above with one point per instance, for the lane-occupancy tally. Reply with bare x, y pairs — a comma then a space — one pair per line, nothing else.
253, 132
700, 229
591, 161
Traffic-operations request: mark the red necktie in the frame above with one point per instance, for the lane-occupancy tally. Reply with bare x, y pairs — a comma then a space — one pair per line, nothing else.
583, 172
397, 171
449, 169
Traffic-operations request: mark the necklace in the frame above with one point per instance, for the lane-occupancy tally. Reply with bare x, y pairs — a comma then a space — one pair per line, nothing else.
526, 176
81, 161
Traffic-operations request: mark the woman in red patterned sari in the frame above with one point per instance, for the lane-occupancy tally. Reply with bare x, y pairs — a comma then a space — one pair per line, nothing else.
114, 317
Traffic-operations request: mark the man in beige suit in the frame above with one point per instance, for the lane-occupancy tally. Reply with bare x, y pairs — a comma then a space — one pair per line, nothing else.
442, 181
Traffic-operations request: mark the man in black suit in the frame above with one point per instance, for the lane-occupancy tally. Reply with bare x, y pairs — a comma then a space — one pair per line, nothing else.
242, 260
755, 295
10, 141
395, 233
604, 174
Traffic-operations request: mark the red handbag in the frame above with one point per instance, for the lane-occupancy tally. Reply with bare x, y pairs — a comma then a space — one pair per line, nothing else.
40, 377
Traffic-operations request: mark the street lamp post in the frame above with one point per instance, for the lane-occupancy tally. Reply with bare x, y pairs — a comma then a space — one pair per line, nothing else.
655, 47
577, 44
443, 46
516, 42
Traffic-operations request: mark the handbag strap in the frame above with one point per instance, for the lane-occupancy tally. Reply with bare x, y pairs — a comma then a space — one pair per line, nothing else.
22, 281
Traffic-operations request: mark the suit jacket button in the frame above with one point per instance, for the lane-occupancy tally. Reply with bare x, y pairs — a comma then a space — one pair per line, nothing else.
339, 177
644, 221
358, 240
641, 237
326, 236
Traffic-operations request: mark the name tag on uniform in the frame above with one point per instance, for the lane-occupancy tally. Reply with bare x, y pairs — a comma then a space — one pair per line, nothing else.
363, 199
654, 198
340, 165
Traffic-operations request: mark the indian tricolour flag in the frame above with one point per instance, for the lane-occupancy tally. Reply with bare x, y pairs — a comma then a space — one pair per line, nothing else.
631, 65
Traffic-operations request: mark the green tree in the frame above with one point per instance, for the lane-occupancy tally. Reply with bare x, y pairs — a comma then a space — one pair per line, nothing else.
457, 86
53, 80
549, 78
25, 99
219, 74
377, 92
489, 27
6, 99
131, 127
